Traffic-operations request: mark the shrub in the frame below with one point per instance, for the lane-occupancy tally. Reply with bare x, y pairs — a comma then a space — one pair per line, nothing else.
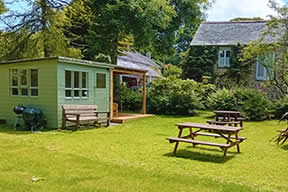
280, 107
222, 99
252, 103
173, 96
130, 100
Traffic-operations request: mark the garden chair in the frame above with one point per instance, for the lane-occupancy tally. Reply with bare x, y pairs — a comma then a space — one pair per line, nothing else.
283, 135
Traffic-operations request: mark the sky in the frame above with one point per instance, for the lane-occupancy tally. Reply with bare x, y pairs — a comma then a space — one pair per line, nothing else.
224, 10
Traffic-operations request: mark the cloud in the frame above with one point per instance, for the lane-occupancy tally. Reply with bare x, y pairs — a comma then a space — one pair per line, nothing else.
224, 10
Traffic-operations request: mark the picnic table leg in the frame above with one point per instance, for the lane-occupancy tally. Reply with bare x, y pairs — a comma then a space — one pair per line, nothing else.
236, 137
192, 136
177, 142
227, 142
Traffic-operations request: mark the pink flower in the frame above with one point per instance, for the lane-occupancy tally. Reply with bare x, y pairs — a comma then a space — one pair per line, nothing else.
257, 86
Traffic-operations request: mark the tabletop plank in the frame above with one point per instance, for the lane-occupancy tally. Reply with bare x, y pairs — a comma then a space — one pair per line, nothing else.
211, 127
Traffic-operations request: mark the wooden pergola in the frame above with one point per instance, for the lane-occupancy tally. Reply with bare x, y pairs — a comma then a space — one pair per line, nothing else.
129, 71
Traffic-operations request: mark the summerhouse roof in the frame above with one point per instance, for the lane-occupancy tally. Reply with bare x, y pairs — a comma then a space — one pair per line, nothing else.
229, 33
63, 60
134, 60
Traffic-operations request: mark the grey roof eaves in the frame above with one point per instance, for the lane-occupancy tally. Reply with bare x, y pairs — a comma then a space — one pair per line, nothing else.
63, 60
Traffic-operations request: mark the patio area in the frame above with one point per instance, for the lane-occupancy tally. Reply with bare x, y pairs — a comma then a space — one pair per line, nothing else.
123, 117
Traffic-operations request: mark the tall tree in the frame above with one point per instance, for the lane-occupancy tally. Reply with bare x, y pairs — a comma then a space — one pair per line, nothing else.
114, 21
177, 38
38, 29
2, 7
162, 27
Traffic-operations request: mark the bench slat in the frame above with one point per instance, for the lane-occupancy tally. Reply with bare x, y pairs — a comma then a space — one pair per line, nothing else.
84, 113
196, 142
215, 135
79, 107
222, 122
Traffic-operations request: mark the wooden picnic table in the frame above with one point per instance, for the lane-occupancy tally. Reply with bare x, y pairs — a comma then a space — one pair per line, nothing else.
225, 132
231, 117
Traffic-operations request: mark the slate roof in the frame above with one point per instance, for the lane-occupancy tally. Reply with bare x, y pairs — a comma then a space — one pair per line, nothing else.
229, 33
134, 60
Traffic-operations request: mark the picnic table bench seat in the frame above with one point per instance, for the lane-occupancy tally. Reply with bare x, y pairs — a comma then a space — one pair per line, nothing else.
197, 142
218, 136
230, 123
83, 113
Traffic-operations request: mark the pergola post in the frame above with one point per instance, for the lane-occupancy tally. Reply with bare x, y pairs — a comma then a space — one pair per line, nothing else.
111, 93
144, 94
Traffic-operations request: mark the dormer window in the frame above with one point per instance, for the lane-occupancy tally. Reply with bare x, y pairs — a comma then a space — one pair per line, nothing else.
224, 56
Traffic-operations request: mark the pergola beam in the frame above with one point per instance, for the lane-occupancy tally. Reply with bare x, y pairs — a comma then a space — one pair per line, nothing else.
140, 73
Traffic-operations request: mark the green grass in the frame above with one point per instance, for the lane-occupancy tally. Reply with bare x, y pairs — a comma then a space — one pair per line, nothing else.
136, 157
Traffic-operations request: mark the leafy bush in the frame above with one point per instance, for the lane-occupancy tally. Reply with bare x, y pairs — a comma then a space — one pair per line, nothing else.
222, 99
130, 100
173, 96
254, 104
280, 107
172, 70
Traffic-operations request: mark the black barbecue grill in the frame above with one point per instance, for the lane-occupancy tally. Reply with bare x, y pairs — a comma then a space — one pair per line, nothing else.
32, 116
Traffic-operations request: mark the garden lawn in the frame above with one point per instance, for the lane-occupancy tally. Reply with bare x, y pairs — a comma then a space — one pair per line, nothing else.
136, 157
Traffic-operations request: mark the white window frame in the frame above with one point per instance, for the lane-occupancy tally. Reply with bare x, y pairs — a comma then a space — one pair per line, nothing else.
225, 64
19, 86
265, 75
72, 88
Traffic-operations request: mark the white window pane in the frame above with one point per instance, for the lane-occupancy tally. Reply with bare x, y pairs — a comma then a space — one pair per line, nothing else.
84, 80
260, 70
227, 63
14, 91
23, 77
14, 76
68, 79
76, 80
34, 92
34, 77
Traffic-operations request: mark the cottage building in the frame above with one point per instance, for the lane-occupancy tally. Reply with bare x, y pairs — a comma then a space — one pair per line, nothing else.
227, 34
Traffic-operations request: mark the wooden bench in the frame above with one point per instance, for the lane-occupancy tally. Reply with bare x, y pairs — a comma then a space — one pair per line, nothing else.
83, 114
230, 123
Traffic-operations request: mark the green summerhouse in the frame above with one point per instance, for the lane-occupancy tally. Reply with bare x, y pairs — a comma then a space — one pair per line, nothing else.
48, 83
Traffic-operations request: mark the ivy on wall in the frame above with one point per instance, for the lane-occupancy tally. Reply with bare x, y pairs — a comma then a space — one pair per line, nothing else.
199, 61
239, 73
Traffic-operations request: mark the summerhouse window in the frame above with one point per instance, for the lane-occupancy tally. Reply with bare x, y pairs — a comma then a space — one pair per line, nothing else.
101, 80
224, 57
76, 84
24, 82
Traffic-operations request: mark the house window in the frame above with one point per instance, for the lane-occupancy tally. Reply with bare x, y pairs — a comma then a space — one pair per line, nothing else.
101, 80
264, 67
76, 84
224, 57
24, 82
